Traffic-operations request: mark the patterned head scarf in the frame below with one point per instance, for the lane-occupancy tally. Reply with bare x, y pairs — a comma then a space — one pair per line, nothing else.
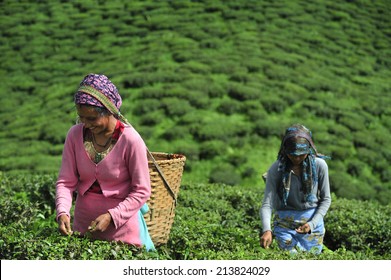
297, 146
298, 141
98, 84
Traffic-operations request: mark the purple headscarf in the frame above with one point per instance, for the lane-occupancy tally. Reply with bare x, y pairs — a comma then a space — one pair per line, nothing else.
103, 85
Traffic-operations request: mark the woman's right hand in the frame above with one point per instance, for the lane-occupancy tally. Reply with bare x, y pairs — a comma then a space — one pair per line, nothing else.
266, 239
64, 225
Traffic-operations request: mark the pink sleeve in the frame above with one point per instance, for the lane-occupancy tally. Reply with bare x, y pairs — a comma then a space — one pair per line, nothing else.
67, 178
137, 162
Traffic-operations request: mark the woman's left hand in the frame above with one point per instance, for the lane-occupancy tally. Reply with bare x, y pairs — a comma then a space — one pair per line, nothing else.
101, 223
304, 229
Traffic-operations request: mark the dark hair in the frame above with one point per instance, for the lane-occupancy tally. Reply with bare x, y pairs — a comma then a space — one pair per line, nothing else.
101, 110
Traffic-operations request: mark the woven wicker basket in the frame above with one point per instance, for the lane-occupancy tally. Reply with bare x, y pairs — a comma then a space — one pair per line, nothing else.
165, 189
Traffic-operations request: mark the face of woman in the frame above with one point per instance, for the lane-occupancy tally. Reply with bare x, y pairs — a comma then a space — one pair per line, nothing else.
93, 120
297, 160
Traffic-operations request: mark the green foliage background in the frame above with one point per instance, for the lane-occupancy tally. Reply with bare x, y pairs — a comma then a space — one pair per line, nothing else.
216, 80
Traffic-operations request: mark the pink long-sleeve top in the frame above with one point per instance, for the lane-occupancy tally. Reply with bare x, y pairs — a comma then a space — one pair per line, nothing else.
123, 174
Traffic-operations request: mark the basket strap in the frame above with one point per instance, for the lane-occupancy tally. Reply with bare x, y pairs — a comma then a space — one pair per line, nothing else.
163, 177
115, 111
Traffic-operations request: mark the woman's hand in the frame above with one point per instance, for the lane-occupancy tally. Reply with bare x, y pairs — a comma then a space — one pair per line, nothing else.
304, 229
266, 239
101, 223
64, 225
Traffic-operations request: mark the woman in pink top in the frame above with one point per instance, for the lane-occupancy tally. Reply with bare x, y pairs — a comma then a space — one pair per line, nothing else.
105, 162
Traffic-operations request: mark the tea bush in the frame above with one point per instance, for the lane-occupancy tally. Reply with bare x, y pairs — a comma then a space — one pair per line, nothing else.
225, 174
358, 226
213, 221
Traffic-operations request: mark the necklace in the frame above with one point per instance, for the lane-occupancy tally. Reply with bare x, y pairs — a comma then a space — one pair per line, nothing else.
97, 156
103, 146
